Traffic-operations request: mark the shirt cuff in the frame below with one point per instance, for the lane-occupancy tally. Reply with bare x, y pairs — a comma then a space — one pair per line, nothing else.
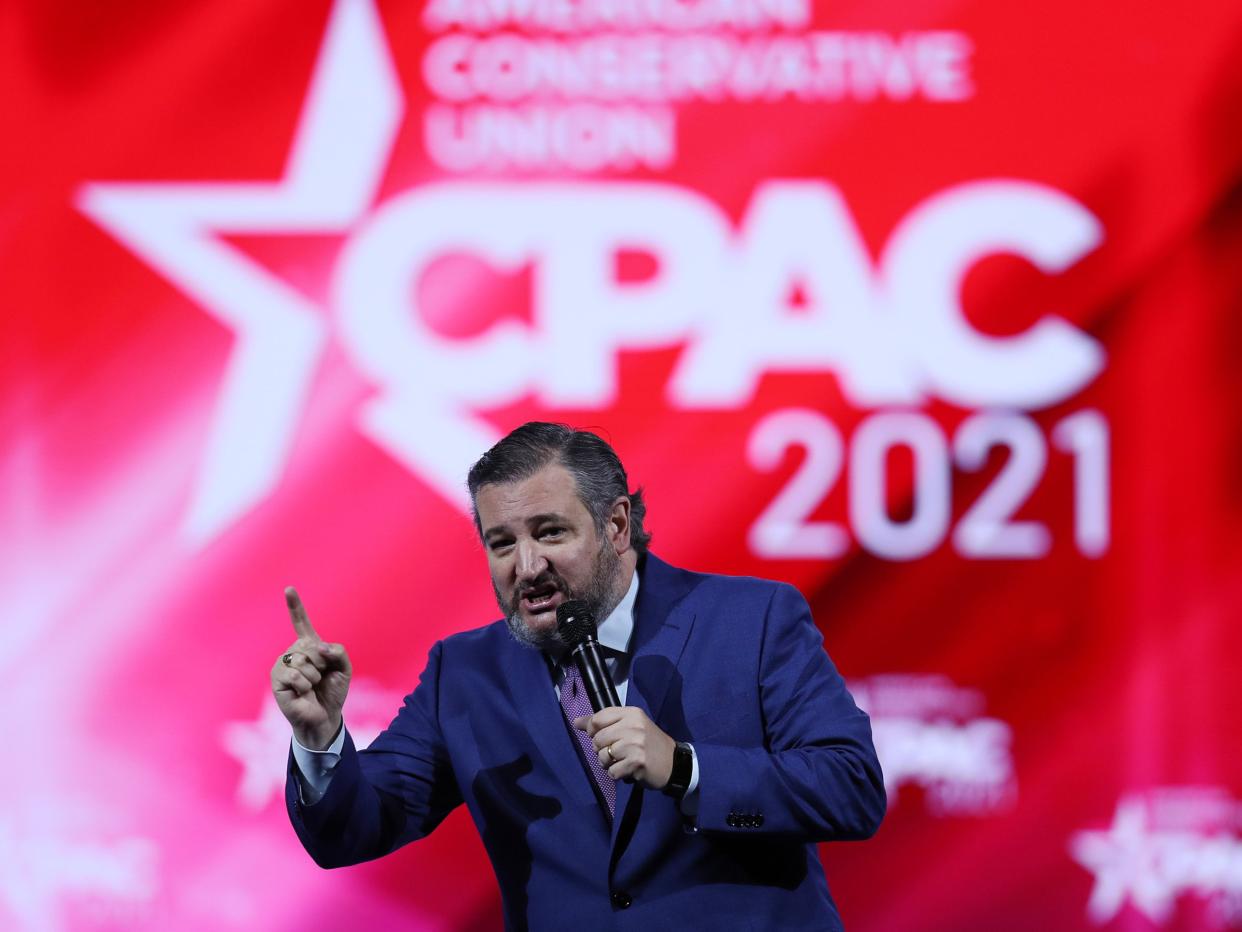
690, 800
315, 768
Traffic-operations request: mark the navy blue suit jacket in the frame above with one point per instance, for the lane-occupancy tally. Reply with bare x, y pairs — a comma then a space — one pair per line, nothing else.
736, 666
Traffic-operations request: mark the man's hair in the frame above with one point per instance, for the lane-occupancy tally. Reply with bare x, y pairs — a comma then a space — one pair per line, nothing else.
598, 474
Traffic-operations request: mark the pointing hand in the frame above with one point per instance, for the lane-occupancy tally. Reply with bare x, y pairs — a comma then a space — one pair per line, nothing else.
310, 681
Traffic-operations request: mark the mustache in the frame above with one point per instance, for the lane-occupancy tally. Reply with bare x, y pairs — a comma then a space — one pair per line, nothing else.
548, 577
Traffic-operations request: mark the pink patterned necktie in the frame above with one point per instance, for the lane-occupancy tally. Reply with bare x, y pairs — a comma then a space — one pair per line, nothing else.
574, 703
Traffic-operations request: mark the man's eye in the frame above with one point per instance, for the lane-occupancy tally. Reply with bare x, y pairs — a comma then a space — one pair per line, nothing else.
499, 544
551, 532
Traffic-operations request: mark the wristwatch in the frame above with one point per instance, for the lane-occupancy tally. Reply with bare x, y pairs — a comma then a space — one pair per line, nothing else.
683, 769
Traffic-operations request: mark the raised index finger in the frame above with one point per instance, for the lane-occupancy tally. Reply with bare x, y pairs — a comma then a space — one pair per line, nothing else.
297, 614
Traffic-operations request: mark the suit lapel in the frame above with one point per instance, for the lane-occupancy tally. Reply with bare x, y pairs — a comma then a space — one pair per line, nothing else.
531, 692
660, 631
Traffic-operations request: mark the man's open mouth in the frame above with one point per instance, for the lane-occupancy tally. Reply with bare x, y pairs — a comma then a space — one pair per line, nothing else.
540, 598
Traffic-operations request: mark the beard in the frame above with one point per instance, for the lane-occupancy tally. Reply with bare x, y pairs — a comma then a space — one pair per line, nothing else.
599, 593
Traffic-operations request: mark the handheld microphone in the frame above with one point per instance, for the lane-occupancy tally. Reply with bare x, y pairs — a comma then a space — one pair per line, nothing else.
575, 623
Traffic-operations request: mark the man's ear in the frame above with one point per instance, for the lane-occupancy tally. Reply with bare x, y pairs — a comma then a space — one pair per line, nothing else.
618, 526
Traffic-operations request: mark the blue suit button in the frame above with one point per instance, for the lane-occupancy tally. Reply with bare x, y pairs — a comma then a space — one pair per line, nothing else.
621, 899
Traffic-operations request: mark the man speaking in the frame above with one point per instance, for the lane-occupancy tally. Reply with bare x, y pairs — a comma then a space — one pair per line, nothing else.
694, 803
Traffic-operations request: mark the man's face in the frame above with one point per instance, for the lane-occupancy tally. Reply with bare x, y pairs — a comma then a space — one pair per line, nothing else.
542, 550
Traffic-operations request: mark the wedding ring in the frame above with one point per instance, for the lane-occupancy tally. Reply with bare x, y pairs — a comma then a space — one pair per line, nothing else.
287, 659
612, 759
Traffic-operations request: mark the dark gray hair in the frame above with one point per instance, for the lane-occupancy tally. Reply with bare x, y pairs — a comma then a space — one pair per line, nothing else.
598, 474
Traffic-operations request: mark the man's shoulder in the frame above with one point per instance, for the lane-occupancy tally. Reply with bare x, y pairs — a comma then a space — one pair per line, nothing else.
489, 651
700, 585
750, 609
484, 636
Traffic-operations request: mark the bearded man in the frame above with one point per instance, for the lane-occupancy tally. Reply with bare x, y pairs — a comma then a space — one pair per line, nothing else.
696, 803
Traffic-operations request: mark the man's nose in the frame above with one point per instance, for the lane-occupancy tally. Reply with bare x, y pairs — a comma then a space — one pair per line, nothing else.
530, 560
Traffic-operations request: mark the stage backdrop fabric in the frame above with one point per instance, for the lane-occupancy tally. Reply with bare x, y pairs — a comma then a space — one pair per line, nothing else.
931, 309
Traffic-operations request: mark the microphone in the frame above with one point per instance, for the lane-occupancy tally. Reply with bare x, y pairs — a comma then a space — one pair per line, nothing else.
575, 623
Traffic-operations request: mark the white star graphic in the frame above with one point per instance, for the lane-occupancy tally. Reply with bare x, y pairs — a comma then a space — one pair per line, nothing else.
1125, 860
262, 748
349, 120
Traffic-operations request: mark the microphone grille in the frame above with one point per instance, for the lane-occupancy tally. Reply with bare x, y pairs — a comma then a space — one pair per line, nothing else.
574, 622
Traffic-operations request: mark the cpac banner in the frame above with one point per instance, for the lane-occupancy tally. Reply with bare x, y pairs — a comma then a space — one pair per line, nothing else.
930, 309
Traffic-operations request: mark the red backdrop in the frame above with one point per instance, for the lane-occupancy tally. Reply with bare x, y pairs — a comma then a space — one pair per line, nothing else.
931, 309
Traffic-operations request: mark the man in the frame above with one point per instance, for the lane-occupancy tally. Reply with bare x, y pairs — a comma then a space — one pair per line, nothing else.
695, 804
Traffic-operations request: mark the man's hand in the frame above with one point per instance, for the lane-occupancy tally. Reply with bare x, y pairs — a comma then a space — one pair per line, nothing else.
310, 681
630, 745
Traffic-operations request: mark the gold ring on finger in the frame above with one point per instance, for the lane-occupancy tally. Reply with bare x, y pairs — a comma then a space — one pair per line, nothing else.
612, 758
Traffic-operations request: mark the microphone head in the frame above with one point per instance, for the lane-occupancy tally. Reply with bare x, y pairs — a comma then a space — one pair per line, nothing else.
575, 622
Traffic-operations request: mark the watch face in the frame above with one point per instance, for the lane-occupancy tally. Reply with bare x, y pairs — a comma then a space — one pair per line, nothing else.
683, 766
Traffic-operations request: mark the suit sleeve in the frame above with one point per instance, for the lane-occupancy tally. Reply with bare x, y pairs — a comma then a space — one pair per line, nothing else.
394, 792
817, 776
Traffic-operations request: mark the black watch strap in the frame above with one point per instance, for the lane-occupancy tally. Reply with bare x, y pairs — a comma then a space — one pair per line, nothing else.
683, 769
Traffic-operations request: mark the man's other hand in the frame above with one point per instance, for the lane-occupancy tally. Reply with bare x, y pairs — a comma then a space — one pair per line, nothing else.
310, 681
630, 745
